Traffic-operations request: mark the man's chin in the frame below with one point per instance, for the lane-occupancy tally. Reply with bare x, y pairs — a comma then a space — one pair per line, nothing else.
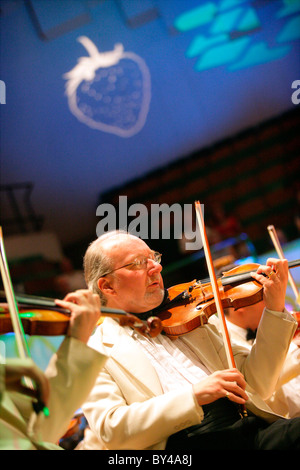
154, 296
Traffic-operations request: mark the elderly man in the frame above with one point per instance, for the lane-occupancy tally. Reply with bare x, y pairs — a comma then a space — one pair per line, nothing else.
179, 394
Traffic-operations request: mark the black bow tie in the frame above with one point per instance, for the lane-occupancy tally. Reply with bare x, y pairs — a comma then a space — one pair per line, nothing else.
250, 334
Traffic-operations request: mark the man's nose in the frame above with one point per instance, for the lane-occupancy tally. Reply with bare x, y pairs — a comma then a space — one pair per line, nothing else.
154, 266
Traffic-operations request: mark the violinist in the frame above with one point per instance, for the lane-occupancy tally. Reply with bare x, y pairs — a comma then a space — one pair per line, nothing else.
179, 394
62, 388
242, 325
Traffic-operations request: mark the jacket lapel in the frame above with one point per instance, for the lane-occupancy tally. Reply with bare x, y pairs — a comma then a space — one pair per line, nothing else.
204, 342
208, 347
129, 356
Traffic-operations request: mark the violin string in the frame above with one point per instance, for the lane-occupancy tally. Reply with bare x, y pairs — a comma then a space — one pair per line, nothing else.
245, 276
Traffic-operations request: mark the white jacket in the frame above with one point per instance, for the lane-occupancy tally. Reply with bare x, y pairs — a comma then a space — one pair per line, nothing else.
127, 408
72, 372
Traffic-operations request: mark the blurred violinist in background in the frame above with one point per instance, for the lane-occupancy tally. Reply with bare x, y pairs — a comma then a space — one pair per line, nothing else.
62, 388
242, 324
225, 225
224, 233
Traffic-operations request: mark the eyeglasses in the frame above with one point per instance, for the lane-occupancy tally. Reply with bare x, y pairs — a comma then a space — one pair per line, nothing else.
139, 263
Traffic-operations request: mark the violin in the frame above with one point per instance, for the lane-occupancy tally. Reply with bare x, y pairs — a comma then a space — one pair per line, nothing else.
191, 304
42, 317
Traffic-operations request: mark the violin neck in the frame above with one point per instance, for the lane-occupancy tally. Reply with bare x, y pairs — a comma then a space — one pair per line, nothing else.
294, 264
237, 279
31, 301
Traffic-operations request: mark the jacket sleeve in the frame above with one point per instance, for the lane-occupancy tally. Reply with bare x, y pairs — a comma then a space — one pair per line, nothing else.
120, 422
291, 367
2, 384
72, 372
263, 366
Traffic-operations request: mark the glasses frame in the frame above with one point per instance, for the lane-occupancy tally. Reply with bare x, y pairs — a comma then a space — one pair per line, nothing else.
156, 259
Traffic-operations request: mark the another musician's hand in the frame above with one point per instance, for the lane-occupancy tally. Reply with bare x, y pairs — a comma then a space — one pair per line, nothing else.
228, 383
15, 371
274, 278
85, 310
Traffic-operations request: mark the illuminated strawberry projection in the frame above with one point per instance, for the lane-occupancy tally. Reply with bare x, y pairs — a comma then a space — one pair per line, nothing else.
109, 91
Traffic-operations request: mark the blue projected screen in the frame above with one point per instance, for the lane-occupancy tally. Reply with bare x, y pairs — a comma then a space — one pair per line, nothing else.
233, 32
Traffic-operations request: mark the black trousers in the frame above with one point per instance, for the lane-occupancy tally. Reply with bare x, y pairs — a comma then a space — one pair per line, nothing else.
224, 429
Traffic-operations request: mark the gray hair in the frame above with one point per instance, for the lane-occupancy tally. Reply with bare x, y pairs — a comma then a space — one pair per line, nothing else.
96, 262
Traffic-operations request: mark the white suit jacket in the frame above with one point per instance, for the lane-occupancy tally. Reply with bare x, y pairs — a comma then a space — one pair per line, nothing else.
72, 372
127, 408
286, 398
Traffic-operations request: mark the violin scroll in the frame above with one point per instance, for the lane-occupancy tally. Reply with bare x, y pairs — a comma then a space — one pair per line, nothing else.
152, 327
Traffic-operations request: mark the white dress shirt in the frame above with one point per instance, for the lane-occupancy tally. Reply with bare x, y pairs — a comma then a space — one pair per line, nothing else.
173, 361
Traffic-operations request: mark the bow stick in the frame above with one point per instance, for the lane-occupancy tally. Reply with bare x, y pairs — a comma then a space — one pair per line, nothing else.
277, 246
216, 292
22, 346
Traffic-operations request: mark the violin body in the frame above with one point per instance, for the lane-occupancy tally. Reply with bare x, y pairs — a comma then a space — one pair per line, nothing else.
237, 289
51, 320
39, 322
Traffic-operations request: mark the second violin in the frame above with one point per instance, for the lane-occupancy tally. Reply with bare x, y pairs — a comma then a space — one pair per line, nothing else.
41, 316
192, 303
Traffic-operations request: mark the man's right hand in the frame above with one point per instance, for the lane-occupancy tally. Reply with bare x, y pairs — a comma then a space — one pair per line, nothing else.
228, 383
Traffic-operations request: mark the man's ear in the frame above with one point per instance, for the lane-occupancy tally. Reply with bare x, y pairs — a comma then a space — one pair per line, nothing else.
105, 286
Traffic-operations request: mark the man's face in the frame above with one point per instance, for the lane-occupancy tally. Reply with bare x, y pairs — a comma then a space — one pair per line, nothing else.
131, 289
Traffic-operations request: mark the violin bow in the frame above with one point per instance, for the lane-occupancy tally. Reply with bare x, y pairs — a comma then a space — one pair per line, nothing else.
22, 345
277, 246
216, 293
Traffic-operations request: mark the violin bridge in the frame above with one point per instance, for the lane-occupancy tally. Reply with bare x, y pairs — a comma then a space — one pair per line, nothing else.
203, 296
203, 319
